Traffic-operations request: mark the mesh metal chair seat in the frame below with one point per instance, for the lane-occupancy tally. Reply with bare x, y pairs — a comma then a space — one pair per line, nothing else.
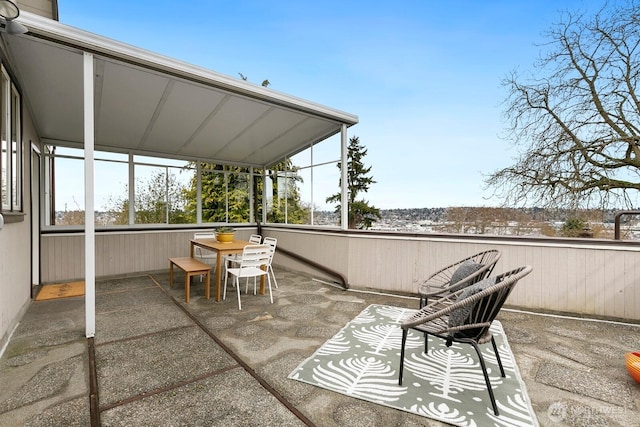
231, 259
253, 263
458, 275
203, 254
465, 316
272, 242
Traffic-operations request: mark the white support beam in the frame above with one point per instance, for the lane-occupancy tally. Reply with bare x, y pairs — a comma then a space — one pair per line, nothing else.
198, 192
252, 212
264, 194
344, 202
132, 190
311, 178
89, 220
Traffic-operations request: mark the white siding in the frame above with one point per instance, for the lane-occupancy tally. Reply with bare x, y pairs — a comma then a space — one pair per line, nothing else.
15, 251
117, 253
40, 7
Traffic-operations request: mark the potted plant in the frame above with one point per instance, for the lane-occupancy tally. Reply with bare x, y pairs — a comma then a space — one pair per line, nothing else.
225, 234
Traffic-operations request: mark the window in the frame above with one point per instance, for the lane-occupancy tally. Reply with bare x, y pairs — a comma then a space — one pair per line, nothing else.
226, 193
131, 189
11, 155
64, 197
158, 195
297, 188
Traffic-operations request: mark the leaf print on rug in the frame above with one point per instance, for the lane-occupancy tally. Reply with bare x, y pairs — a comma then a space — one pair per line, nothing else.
449, 372
364, 377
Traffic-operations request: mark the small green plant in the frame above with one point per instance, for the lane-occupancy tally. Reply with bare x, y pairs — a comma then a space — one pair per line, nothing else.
576, 227
225, 229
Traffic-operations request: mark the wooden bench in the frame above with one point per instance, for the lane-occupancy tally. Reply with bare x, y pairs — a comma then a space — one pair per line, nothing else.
191, 267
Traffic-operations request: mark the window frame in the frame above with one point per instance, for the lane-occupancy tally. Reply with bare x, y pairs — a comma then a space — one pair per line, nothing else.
255, 180
12, 150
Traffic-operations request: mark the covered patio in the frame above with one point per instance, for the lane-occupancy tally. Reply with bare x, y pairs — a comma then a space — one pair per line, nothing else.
89, 92
159, 361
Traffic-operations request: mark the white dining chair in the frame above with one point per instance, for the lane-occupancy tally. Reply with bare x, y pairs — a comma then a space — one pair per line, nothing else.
254, 257
203, 254
272, 242
254, 239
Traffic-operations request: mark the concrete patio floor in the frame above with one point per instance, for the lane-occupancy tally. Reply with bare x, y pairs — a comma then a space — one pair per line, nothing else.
161, 362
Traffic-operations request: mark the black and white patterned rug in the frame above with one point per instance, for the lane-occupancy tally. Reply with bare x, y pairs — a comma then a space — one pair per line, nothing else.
362, 361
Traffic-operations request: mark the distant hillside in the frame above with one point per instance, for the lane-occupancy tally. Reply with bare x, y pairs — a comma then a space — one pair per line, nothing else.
535, 214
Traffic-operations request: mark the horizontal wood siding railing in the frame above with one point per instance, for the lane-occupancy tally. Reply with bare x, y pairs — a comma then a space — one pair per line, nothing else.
117, 253
580, 277
583, 277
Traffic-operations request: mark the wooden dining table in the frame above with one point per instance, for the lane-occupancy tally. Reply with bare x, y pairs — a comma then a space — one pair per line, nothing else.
222, 249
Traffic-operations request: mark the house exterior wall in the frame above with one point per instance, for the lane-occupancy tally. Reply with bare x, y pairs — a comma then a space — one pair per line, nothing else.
588, 278
46, 8
15, 236
15, 250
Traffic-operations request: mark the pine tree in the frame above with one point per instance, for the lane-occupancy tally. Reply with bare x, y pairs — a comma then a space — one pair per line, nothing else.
285, 201
222, 186
361, 214
225, 195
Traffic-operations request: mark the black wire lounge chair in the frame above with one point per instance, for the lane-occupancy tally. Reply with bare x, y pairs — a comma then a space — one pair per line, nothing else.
459, 275
465, 316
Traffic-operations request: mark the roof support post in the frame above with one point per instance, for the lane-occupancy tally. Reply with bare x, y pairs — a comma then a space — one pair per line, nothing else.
132, 189
344, 202
252, 196
311, 172
198, 192
89, 221
264, 194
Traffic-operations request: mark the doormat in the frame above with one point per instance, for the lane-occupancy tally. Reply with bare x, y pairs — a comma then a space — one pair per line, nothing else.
362, 361
61, 290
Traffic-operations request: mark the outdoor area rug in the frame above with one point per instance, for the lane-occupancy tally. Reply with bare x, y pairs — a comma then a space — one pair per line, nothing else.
61, 290
362, 361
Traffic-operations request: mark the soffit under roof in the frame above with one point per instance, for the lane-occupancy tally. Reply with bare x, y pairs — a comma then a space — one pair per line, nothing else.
151, 104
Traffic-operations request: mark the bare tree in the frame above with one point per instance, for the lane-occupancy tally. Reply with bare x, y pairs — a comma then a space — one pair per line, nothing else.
576, 116
456, 219
488, 220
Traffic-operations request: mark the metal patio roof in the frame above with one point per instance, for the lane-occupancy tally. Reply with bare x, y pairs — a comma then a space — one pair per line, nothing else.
151, 104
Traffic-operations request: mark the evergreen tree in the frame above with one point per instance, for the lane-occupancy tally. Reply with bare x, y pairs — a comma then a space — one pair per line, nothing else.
225, 195
221, 186
361, 214
285, 200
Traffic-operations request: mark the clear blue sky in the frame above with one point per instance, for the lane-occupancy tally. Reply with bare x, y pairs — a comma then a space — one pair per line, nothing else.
424, 77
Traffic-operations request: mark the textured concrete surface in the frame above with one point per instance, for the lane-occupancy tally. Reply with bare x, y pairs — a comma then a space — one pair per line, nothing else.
162, 362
